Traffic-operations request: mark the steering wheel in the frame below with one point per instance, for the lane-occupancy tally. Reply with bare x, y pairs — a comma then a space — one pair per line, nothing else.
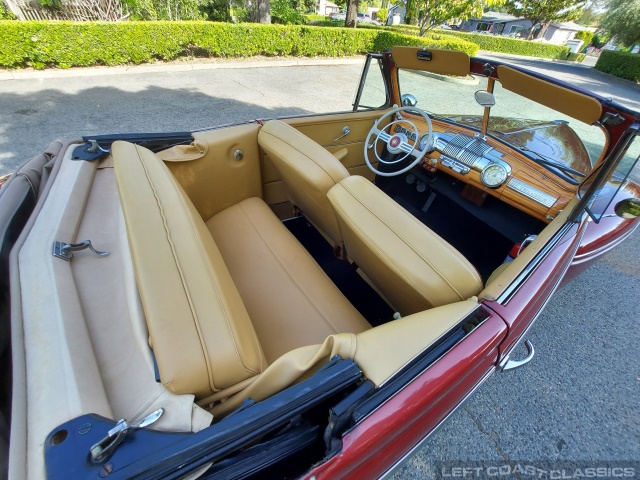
398, 142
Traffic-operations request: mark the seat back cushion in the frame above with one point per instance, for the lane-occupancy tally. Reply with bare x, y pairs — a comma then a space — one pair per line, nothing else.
411, 266
199, 329
308, 172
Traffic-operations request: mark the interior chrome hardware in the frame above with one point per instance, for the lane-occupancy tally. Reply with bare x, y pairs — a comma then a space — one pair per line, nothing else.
65, 250
507, 364
94, 147
102, 450
238, 154
89, 151
526, 242
345, 131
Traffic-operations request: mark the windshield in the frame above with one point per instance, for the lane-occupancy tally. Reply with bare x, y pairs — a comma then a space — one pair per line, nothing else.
539, 132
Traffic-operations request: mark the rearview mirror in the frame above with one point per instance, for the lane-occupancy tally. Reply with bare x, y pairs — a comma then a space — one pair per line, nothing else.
485, 99
628, 208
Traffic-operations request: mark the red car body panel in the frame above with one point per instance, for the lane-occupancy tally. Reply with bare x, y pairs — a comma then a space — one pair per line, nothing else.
417, 409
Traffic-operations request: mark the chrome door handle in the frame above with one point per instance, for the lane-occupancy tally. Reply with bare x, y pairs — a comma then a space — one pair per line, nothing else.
345, 131
508, 364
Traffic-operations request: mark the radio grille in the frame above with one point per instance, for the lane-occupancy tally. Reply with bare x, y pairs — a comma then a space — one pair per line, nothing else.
466, 149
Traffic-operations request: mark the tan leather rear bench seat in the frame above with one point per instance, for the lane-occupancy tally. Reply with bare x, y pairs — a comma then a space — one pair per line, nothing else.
223, 302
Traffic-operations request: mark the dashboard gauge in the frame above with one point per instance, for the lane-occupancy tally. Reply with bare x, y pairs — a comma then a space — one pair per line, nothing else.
422, 144
494, 175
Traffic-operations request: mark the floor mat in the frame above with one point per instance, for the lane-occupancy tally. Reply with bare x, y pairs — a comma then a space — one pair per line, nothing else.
481, 244
364, 298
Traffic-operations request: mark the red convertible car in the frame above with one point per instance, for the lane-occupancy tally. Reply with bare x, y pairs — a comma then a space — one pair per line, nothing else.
305, 297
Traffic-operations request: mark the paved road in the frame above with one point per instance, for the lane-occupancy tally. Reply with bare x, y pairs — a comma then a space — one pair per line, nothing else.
618, 89
577, 400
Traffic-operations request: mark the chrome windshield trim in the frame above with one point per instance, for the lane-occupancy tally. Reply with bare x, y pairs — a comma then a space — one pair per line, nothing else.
407, 456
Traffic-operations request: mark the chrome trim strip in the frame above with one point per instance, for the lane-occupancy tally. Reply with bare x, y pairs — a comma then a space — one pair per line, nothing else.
407, 456
511, 290
531, 192
535, 317
457, 325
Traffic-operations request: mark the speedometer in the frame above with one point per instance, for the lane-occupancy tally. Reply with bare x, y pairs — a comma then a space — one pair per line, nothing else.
494, 175
423, 143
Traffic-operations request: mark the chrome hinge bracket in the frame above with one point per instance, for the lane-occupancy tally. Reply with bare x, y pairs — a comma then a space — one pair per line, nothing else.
611, 119
89, 151
507, 363
101, 451
65, 250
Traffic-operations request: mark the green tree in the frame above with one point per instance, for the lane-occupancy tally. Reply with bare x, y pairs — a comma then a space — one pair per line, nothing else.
585, 36
590, 16
432, 13
543, 12
411, 12
382, 15
216, 10
622, 21
287, 12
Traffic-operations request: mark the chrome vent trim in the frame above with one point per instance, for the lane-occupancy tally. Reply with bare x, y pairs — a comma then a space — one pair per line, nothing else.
531, 192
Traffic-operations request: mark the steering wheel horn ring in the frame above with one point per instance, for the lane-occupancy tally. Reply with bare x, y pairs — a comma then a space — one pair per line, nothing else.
398, 142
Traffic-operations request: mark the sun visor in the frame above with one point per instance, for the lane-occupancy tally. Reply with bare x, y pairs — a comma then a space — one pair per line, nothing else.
445, 62
576, 105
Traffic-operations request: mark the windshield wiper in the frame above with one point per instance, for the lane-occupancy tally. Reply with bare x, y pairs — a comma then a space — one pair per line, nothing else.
560, 169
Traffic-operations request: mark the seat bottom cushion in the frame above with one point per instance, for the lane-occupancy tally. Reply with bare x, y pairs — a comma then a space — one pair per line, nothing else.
290, 300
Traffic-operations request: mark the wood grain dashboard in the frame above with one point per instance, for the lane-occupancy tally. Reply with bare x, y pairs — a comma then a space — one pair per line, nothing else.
530, 187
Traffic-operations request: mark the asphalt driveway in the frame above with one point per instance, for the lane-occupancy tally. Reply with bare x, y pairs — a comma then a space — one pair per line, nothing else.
578, 400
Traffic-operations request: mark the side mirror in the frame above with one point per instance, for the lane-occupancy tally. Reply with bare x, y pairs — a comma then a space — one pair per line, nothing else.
408, 100
628, 208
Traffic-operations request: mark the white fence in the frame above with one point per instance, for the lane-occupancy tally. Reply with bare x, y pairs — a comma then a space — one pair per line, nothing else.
80, 10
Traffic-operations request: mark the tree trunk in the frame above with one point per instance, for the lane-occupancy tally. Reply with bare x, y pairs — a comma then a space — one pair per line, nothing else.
352, 14
534, 22
263, 11
543, 30
410, 15
424, 23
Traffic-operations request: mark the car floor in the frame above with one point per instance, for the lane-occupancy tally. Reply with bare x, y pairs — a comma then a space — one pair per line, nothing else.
361, 295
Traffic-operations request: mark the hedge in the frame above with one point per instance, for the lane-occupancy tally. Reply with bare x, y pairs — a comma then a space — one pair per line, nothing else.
576, 57
490, 43
68, 44
496, 43
621, 64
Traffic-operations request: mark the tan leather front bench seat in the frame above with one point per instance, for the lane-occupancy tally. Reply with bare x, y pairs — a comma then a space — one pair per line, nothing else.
218, 314
308, 172
408, 263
